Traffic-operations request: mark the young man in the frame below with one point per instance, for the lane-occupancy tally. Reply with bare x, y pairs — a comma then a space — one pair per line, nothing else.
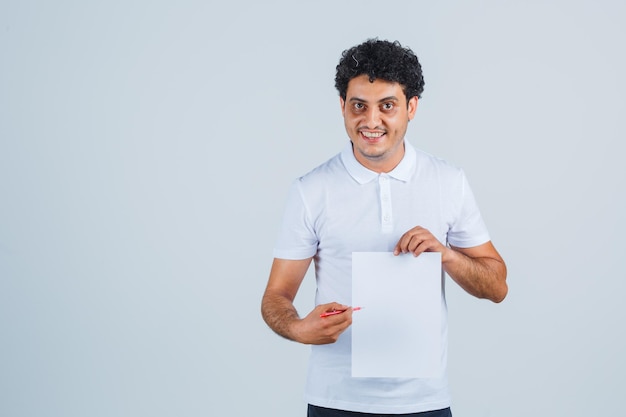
379, 195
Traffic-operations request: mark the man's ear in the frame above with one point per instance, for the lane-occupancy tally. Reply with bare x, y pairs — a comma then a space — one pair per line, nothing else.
412, 107
342, 102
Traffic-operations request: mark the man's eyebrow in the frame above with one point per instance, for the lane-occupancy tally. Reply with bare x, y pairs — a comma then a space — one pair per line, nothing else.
382, 100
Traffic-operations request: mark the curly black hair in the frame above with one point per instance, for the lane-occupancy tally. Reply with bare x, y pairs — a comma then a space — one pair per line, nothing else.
386, 60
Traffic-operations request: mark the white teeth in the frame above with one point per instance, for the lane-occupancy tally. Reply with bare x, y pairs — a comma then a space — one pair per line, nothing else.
372, 134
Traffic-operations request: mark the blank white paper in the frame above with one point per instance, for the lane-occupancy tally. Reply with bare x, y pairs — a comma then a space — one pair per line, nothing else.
398, 331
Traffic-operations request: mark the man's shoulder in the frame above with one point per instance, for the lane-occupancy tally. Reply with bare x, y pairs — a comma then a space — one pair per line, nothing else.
429, 162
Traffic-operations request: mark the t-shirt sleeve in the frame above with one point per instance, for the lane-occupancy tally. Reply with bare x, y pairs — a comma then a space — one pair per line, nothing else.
296, 237
468, 229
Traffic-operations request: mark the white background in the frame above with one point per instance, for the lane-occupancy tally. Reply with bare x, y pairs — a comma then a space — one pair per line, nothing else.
146, 148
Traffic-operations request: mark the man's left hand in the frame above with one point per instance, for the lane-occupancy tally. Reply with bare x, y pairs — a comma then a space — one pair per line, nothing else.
419, 240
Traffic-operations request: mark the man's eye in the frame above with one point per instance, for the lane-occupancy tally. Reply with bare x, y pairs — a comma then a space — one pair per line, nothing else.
387, 106
359, 106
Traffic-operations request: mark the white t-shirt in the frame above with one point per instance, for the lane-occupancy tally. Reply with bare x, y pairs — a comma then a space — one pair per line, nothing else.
342, 207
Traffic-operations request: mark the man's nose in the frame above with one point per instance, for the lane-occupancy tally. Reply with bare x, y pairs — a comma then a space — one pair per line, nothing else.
372, 118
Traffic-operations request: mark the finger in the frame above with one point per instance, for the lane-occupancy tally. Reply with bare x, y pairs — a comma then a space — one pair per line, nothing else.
339, 322
332, 308
403, 244
429, 245
331, 313
396, 249
418, 240
416, 246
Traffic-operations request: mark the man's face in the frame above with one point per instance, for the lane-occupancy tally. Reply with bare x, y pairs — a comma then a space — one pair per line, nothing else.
376, 116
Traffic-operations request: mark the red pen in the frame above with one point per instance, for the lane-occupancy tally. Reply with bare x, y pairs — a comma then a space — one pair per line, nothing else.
332, 313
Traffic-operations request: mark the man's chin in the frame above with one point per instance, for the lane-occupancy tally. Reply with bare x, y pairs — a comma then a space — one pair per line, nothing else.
372, 155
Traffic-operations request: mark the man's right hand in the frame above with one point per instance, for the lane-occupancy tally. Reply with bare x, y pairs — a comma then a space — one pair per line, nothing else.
280, 314
317, 330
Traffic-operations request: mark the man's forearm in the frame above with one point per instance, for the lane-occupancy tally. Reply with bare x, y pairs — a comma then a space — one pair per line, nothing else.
279, 314
482, 277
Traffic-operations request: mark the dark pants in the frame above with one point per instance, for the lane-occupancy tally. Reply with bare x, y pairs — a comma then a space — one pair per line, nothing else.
315, 411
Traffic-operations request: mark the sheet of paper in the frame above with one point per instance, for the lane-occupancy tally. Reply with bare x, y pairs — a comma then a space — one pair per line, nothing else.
398, 331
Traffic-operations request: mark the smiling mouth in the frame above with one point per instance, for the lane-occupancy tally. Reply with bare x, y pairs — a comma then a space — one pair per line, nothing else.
372, 135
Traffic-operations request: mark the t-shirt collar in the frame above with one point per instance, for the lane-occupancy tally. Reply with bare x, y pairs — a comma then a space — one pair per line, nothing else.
364, 175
